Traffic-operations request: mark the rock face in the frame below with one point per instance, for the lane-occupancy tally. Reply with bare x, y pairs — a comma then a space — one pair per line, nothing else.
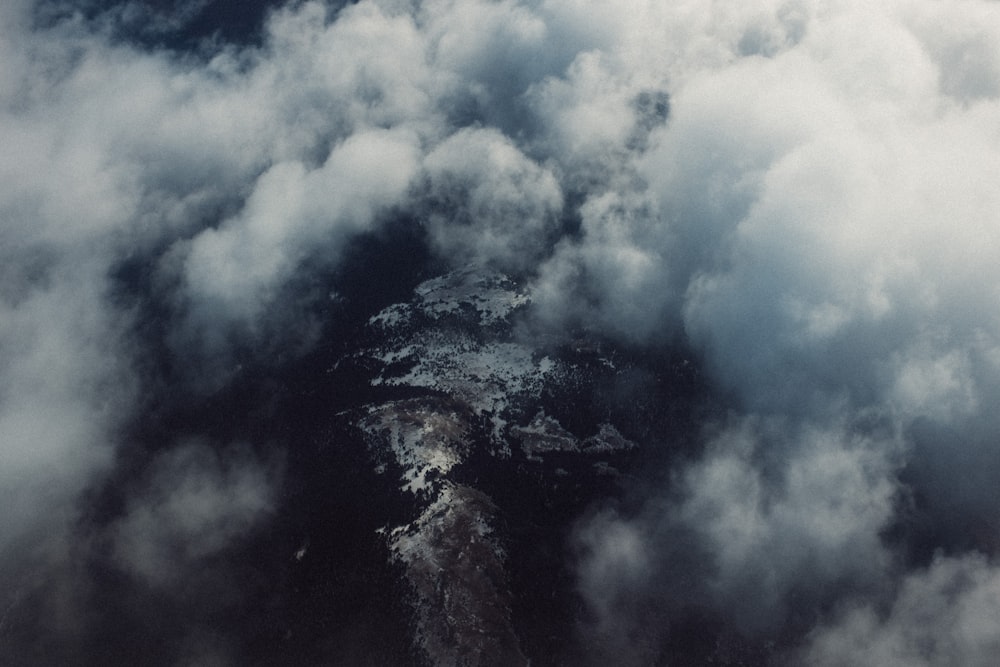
455, 563
474, 391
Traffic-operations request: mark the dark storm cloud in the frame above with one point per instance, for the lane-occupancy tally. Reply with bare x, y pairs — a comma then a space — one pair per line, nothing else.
817, 217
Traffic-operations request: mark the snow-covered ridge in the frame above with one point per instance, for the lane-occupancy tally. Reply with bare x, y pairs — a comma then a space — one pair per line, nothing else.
454, 337
455, 565
481, 297
424, 436
478, 386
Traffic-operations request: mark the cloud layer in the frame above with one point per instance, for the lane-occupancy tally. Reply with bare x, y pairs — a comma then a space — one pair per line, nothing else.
802, 193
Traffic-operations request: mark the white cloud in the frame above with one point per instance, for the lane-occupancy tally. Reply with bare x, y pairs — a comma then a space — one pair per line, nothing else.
821, 221
64, 388
942, 615
818, 216
788, 517
293, 214
488, 202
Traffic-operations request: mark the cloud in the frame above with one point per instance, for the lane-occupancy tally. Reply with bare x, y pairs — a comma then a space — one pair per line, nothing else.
489, 203
800, 194
120, 155
234, 273
775, 523
66, 383
615, 568
788, 518
942, 615
810, 224
195, 503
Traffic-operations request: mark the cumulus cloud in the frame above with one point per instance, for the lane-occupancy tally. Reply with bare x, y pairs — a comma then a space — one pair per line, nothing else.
233, 274
489, 203
801, 193
788, 529
942, 615
811, 224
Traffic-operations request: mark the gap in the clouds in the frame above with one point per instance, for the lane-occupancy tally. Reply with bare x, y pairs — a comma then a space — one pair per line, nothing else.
337, 600
652, 110
948, 499
571, 221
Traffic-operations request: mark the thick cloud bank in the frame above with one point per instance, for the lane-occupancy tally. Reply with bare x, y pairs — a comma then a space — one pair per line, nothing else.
803, 194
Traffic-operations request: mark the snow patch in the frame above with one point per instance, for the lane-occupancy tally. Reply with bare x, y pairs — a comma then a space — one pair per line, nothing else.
424, 437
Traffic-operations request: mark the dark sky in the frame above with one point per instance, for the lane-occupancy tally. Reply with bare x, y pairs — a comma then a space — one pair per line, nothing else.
201, 202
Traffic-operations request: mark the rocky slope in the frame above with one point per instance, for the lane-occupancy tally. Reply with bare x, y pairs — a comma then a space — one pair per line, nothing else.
478, 407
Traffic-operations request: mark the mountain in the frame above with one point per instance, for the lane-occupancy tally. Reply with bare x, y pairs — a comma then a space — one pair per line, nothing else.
475, 417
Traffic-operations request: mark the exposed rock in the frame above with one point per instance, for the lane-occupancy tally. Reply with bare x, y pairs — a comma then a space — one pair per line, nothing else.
455, 564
